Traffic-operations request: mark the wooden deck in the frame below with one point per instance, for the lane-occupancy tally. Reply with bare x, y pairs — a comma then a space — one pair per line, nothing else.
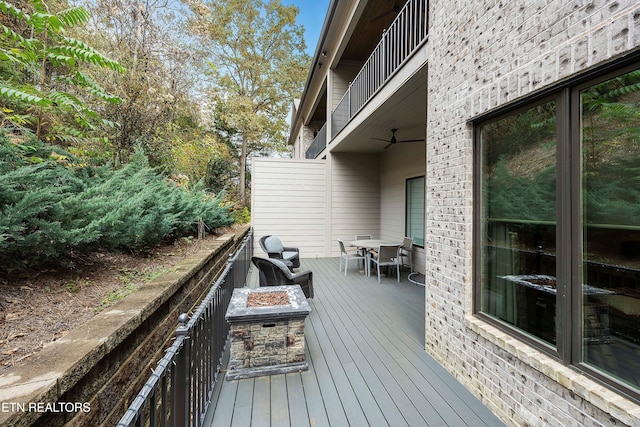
367, 365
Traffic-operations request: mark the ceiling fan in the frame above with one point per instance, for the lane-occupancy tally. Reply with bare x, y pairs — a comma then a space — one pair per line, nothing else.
393, 139
396, 8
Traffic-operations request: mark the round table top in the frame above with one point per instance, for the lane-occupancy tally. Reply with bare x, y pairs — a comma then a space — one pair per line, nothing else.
373, 243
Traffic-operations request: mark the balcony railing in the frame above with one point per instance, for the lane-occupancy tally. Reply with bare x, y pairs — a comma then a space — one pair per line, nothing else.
179, 390
405, 35
318, 144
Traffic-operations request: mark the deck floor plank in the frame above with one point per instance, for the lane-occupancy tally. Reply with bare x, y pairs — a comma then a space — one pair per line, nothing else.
443, 393
367, 364
352, 363
334, 409
298, 414
348, 398
262, 404
376, 368
279, 401
243, 404
405, 395
225, 404
314, 399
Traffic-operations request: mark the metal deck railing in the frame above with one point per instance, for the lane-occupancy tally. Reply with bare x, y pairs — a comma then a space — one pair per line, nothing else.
179, 390
318, 144
405, 35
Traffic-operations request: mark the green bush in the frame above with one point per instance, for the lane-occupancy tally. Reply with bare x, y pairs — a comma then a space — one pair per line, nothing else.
51, 208
242, 215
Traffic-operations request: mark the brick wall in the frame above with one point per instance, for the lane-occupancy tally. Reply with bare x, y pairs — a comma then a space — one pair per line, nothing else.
483, 55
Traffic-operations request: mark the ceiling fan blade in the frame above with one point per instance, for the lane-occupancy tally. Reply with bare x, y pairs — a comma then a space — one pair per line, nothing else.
390, 144
380, 139
411, 140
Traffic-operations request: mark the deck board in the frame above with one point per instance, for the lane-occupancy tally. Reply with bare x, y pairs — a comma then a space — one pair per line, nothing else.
367, 365
280, 401
298, 413
382, 354
315, 404
380, 377
262, 403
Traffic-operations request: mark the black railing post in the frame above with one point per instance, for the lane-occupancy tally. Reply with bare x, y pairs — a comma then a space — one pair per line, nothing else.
182, 387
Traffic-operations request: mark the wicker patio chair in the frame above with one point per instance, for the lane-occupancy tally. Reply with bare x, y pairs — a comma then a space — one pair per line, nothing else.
274, 272
274, 248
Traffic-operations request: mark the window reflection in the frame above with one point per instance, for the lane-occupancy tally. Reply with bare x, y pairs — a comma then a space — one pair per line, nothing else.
610, 147
519, 220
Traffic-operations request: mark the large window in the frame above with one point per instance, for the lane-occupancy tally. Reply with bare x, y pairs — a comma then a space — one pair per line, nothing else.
519, 220
558, 225
415, 210
609, 137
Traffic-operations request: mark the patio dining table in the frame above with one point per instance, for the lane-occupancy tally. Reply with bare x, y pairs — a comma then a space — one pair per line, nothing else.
373, 243
369, 244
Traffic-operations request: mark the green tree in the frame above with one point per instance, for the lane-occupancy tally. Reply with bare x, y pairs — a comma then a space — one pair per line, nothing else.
194, 153
146, 36
43, 85
220, 173
258, 66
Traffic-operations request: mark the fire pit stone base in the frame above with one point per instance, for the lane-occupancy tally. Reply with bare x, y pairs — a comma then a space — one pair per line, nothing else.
267, 340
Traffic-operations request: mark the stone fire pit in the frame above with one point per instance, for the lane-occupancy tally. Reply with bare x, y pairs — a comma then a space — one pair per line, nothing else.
267, 331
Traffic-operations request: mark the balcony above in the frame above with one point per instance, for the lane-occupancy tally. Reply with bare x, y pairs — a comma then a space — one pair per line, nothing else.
405, 36
318, 144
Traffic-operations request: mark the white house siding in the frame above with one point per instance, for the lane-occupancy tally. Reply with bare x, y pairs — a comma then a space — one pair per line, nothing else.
399, 163
355, 197
485, 54
288, 200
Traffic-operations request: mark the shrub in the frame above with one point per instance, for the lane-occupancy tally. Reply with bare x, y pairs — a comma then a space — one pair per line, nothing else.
242, 215
51, 209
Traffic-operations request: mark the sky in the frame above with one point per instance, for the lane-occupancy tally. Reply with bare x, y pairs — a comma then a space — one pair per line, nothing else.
311, 17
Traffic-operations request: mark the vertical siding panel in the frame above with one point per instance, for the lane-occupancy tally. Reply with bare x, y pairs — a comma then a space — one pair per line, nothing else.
355, 196
288, 200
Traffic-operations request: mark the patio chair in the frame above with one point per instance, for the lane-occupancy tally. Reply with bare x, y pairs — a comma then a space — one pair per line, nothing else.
274, 248
363, 237
274, 272
387, 256
351, 254
406, 251
363, 251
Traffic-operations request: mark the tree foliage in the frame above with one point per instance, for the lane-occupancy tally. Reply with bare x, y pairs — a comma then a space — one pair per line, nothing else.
43, 84
149, 115
162, 70
257, 66
522, 177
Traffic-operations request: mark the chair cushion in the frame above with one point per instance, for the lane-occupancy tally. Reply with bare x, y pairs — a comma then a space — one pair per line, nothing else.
273, 244
279, 263
289, 255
